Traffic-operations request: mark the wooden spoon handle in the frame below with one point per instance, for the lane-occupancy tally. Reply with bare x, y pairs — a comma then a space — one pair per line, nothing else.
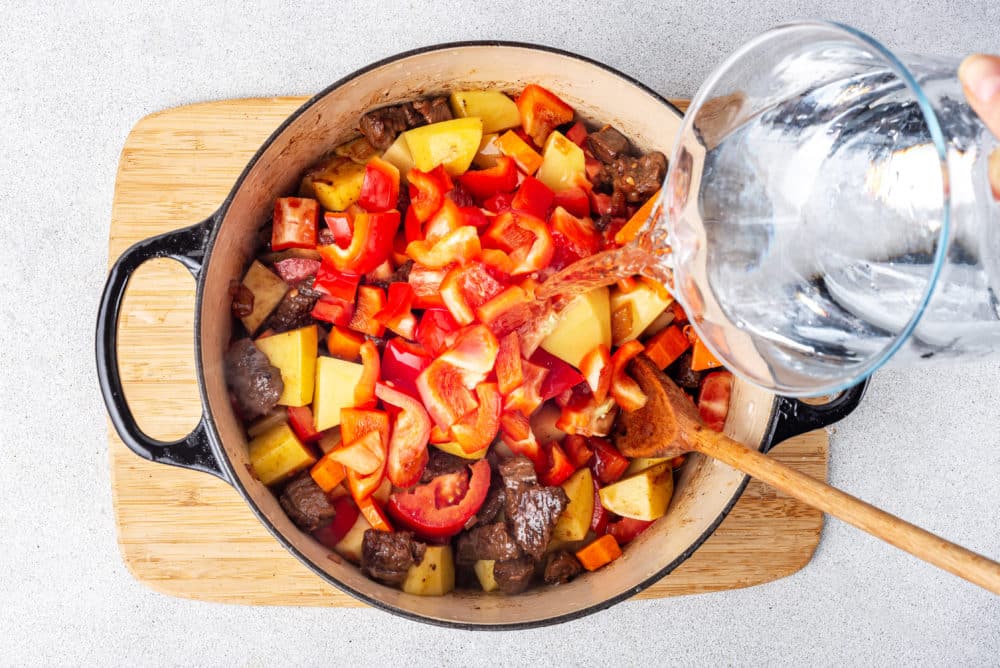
918, 542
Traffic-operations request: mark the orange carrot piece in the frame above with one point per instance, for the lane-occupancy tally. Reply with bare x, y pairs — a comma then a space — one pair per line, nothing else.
602, 551
666, 346
630, 230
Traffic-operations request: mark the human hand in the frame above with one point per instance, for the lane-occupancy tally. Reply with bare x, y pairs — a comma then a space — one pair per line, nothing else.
980, 77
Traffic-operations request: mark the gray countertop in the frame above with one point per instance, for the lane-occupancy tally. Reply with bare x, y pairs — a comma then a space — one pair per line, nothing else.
925, 444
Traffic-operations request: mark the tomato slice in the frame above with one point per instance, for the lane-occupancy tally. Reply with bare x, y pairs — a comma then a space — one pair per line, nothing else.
380, 187
624, 389
478, 429
608, 465
527, 396
345, 515
596, 368
411, 431
294, 224
441, 508
524, 237
402, 362
371, 243
713, 400
509, 366
541, 112
627, 528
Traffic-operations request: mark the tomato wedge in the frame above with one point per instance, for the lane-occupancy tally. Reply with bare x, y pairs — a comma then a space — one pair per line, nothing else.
411, 431
294, 224
713, 400
370, 244
441, 508
478, 429
541, 112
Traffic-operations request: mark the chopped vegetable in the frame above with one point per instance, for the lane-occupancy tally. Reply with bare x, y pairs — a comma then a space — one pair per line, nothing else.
511, 145
278, 454
713, 400
440, 508
294, 224
602, 551
411, 430
370, 244
666, 346
451, 144
380, 187
294, 353
541, 112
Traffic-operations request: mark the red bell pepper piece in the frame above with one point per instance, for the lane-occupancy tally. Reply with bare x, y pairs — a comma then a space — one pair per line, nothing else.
574, 238
541, 112
380, 187
626, 529
507, 311
374, 514
575, 200
371, 300
460, 245
624, 389
497, 261
499, 202
596, 368
294, 224
509, 366
355, 424
578, 134
294, 270
484, 183
335, 283
515, 431
527, 397
466, 288
525, 238
427, 191
333, 310
300, 419
362, 456
364, 392
477, 430
447, 219
413, 229
473, 215
713, 400
344, 343
608, 464
397, 314
561, 376
474, 353
426, 284
402, 362
341, 225
410, 433
345, 515
559, 467
577, 450
533, 197
441, 387
440, 509
371, 243
664, 347
437, 330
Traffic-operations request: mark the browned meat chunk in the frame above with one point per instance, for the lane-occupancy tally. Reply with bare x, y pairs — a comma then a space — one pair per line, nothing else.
515, 575
518, 471
255, 383
532, 510
242, 304
387, 556
638, 178
306, 503
433, 110
491, 541
607, 144
561, 567
382, 126
441, 463
493, 504
683, 374
293, 310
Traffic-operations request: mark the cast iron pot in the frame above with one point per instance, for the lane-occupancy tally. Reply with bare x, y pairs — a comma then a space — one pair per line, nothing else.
219, 249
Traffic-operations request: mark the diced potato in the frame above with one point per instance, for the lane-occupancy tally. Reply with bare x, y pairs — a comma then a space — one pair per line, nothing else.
583, 325
488, 152
450, 143
574, 522
268, 290
543, 423
434, 575
336, 183
453, 448
359, 150
272, 419
294, 353
399, 155
563, 163
349, 546
335, 383
484, 571
278, 454
632, 312
643, 496
642, 463
497, 111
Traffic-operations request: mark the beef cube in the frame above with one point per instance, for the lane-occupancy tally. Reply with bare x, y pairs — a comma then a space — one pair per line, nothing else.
518, 471
433, 110
306, 503
514, 576
491, 541
561, 567
381, 126
387, 556
493, 504
531, 515
607, 144
255, 382
682, 373
293, 310
638, 178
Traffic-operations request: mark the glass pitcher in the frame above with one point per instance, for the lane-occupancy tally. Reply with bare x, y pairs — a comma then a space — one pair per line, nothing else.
828, 207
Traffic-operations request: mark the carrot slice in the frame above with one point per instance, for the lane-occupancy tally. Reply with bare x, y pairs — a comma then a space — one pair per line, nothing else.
602, 551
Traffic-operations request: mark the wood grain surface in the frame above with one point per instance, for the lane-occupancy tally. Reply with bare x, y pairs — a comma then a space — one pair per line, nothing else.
189, 534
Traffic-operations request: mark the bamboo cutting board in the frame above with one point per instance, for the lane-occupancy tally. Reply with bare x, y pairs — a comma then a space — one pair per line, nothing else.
189, 534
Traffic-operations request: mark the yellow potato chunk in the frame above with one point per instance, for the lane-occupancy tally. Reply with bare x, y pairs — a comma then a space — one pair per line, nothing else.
583, 325
642, 463
294, 353
632, 312
497, 111
268, 290
278, 454
488, 152
563, 163
399, 156
335, 383
434, 575
349, 546
336, 183
450, 143
484, 571
453, 448
643, 496
574, 522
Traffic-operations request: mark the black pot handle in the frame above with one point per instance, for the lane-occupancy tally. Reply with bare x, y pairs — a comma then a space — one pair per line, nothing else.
793, 417
194, 451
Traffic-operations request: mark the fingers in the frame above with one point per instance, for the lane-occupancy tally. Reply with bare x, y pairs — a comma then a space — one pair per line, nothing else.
980, 77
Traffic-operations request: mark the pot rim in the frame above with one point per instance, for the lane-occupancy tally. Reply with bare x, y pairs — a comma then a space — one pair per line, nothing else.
227, 465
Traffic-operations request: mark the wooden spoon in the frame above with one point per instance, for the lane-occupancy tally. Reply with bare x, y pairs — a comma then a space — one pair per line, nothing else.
669, 425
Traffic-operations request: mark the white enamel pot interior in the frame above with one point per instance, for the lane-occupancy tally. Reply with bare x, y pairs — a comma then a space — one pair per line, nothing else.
706, 489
